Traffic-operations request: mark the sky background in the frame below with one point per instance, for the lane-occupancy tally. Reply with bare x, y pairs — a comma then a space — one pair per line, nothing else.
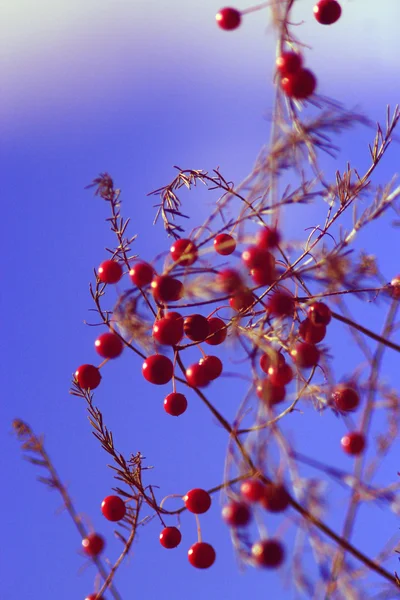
134, 88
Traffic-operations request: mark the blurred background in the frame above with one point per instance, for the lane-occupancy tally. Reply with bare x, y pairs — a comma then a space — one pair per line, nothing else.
134, 88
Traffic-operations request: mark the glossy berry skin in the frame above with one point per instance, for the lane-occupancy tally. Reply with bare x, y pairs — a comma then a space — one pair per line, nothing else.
110, 271
113, 508
242, 300
268, 237
197, 375
395, 287
141, 274
252, 490
305, 355
280, 375
175, 404
345, 398
88, 377
236, 514
327, 12
229, 280
271, 359
288, 63
281, 304
201, 555
212, 365
319, 313
158, 369
224, 244
263, 276
170, 537
196, 328
268, 553
255, 257
184, 252
168, 331
353, 443
94, 597
275, 499
313, 334
217, 328
166, 289
299, 85
270, 394
93, 544
197, 501
228, 18
109, 345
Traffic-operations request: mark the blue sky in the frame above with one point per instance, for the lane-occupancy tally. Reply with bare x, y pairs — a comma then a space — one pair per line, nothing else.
134, 88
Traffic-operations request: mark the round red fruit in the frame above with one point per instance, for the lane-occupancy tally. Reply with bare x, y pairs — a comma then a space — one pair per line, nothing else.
242, 301
255, 257
271, 359
201, 555
110, 271
229, 281
197, 501
88, 377
197, 376
236, 514
281, 304
93, 544
305, 355
269, 393
196, 328
184, 252
175, 404
224, 244
141, 274
166, 289
327, 12
263, 276
319, 313
212, 365
94, 597
158, 369
252, 490
288, 63
218, 329
109, 345
311, 333
275, 499
345, 398
268, 553
353, 443
280, 375
169, 330
170, 537
228, 18
113, 508
299, 85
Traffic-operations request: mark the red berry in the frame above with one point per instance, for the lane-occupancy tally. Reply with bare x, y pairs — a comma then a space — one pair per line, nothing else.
212, 365
299, 85
218, 329
110, 271
113, 508
252, 490
169, 330
229, 281
201, 555
88, 377
345, 398
197, 501
271, 359
280, 375
196, 328
311, 333
319, 313
353, 443
281, 304
305, 355
94, 597
276, 498
228, 18
395, 287
175, 404
141, 274
109, 345
327, 11
255, 257
197, 375
236, 514
166, 289
158, 369
288, 63
224, 244
170, 537
269, 393
263, 275
184, 252
242, 301
93, 544
268, 553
